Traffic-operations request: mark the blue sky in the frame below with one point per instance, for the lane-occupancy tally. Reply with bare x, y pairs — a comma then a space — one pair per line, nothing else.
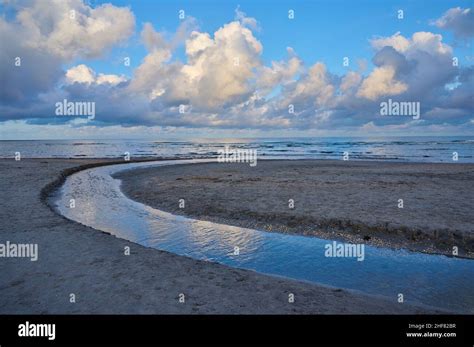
407, 59
323, 30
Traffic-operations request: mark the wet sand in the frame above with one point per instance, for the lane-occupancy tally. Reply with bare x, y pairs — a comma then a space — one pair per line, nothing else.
352, 201
75, 259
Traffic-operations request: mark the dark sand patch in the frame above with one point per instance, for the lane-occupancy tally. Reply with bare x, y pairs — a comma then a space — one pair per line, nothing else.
348, 200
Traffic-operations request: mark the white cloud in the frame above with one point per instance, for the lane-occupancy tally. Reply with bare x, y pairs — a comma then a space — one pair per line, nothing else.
381, 82
351, 80
419, 66
245, 20
84, 74
153, 75
197, 43
430, 43
397, 41
110, 79
313, 89
81, 74
44, 36
423, 41
70, 29
280, 72
218, 69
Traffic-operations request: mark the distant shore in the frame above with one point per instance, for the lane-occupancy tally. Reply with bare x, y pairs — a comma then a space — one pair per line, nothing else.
75, 259
424, 207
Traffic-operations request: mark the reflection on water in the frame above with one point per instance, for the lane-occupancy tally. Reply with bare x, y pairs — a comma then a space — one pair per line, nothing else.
428, 279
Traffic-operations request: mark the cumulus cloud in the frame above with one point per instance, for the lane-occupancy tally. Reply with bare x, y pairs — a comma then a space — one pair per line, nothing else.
245, 20
420, 41
84, 74
381, 82
460, 21
44, 35
154, 40
70, 28
218, 68
397, 41
315, 85
419, 66
216, 89
280, 72
350, 81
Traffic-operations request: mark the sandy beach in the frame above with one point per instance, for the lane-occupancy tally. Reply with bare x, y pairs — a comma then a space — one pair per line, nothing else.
356, 201
75, 259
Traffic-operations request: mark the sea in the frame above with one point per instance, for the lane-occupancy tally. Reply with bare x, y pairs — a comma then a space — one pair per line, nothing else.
410, 149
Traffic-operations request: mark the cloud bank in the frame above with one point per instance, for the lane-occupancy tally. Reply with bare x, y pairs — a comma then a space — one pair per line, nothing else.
223, 81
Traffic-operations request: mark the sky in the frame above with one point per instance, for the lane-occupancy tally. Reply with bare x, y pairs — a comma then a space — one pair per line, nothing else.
235, 68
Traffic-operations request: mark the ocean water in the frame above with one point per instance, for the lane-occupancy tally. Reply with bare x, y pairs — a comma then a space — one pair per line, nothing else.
414, 149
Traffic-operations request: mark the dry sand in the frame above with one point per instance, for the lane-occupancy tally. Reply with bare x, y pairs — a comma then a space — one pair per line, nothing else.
92, 265
345, 200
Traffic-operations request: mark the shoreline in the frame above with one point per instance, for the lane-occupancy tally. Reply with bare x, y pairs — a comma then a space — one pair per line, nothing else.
106, 281
235, 194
